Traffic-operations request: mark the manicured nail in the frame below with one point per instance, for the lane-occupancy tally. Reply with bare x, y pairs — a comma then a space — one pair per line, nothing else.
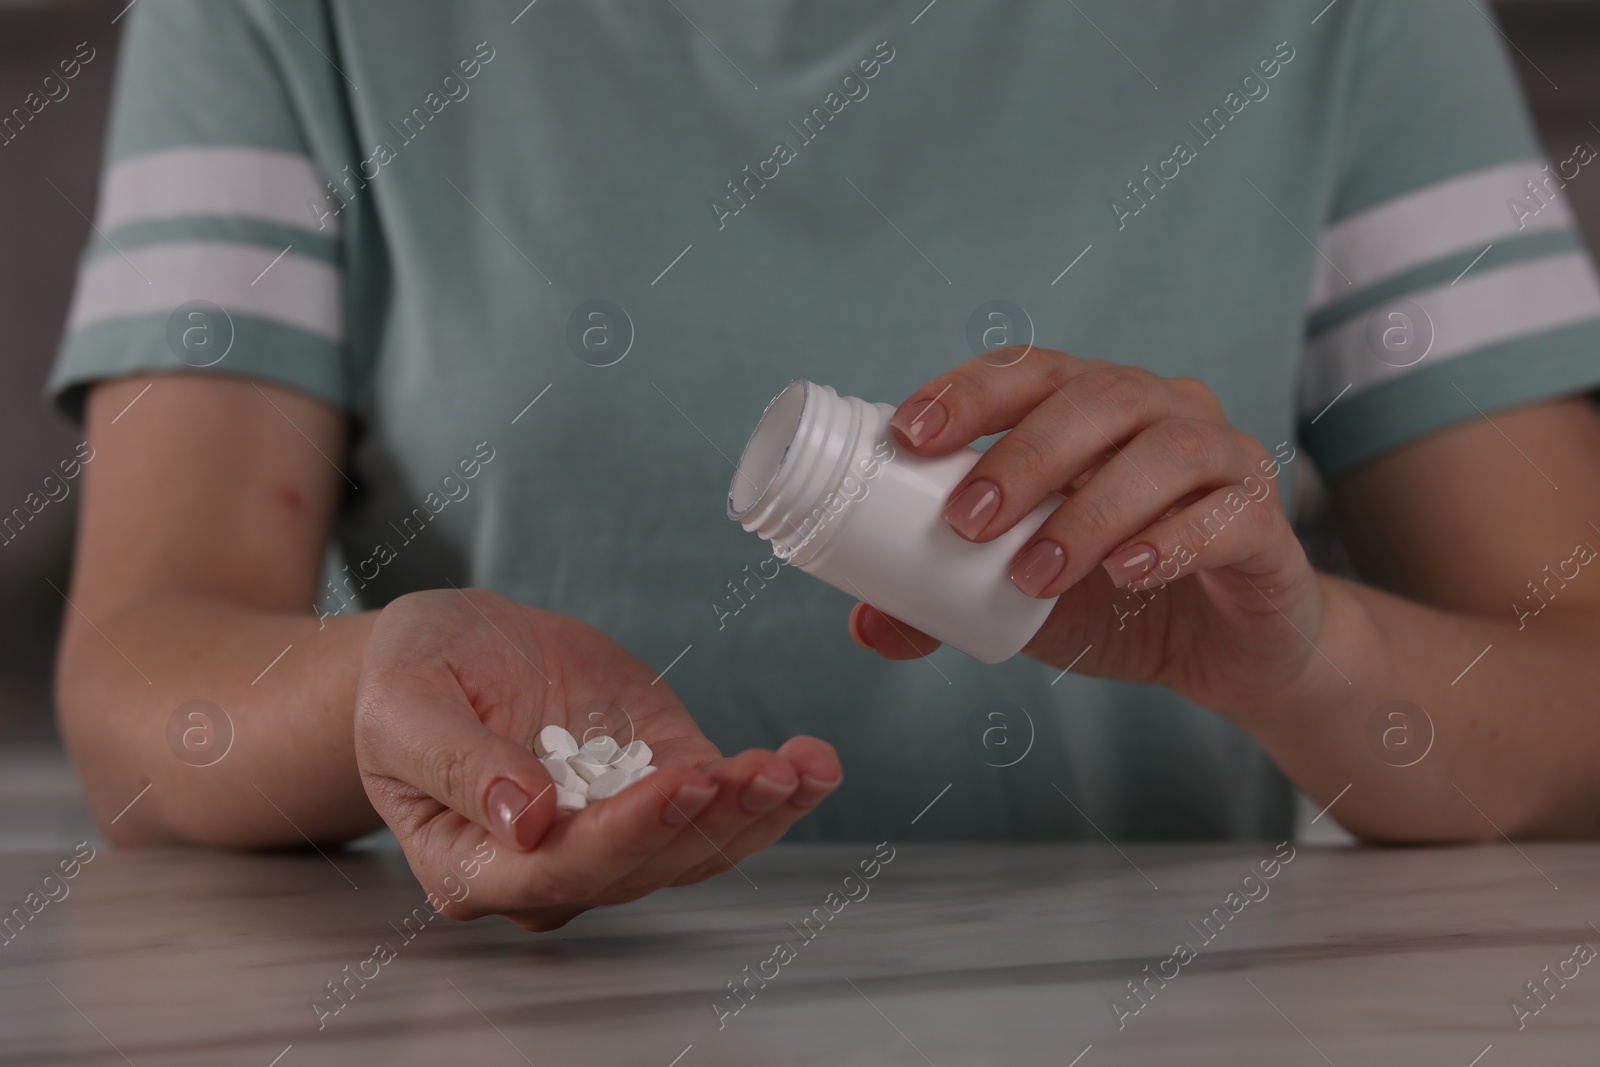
874, 626
686, 803
507, 803
970, 510
813, 790
1129, 564
856, 630
1038, 567
919, 420
763, 794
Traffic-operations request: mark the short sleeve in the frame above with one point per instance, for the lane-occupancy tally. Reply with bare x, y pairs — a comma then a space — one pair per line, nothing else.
213, 246
1451, 279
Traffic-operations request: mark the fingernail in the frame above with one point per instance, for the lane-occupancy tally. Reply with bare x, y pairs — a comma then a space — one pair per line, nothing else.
970, 510
1038, 567
686, 803
507, 803
855, 628
868, 635
919, 420
812, 790
764, 794
1129, 564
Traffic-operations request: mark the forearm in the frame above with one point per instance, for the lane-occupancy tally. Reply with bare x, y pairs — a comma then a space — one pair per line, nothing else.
1513, 739
290, 772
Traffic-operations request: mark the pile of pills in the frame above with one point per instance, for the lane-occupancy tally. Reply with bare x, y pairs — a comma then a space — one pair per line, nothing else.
595, 770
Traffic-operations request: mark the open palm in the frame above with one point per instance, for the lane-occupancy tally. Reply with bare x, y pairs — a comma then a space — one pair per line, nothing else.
454, 687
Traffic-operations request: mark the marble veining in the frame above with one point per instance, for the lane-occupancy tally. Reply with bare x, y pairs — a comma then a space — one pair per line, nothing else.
951, 954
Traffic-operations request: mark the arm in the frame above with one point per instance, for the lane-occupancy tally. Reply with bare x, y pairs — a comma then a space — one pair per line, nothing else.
206, 511
1450, 530
207, 506
1178, 568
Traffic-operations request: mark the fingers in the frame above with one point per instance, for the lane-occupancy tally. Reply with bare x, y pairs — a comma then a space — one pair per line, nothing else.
678, 822
820, 775
754, 787
1071, 430
982, 396
1165, 466
1133, 447
587, 857
709, 823
746, 787
429, 738
818, 766
1067, 417
888, 636
1235, 526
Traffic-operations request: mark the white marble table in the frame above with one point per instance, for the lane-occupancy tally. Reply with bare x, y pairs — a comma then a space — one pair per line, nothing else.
955, 955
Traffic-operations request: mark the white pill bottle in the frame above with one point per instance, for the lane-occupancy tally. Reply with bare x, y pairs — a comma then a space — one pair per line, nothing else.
824, 480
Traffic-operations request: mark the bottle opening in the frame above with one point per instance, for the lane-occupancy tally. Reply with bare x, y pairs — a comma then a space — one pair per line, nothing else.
764, 453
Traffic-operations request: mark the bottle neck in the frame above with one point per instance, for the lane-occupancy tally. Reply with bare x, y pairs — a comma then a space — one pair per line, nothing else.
788, 485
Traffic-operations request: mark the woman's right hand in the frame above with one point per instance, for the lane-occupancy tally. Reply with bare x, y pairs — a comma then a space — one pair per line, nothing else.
454, 687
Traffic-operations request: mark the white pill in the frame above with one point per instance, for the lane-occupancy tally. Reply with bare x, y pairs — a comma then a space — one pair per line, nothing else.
637, 754
610, 783
569, 800
587, 767
562, 774
555, 741
602, 749
601, 769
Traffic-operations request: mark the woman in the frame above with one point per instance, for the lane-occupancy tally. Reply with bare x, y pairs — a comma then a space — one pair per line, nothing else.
491, 296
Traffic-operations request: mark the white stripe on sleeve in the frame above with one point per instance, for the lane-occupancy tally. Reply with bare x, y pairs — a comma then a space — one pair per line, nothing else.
297, 291
1464, 214
237, 182
1520, 299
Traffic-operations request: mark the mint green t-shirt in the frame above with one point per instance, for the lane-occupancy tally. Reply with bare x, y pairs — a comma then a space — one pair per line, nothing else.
551, 260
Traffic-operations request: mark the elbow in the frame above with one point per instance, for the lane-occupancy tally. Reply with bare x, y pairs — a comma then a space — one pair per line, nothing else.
118, 741
83, 726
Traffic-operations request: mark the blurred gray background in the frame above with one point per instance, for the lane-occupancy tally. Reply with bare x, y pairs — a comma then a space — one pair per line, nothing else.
1556, 44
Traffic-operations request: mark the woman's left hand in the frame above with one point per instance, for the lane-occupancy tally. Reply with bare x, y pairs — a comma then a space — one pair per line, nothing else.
1172, 555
